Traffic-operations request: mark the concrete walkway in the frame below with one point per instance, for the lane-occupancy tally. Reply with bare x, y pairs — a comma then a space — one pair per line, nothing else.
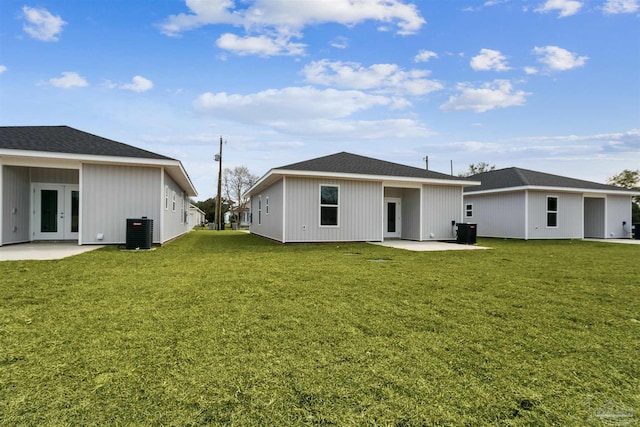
626, 241
43, 251
411, 245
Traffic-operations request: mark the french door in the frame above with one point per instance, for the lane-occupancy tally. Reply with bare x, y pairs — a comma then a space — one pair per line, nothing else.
56, 212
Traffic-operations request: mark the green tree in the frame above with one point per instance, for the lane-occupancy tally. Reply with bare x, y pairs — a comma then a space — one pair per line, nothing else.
475, 168
631, 180
209, 208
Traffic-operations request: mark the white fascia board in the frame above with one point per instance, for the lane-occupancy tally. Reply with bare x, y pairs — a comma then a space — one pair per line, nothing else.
383, 178
554, 190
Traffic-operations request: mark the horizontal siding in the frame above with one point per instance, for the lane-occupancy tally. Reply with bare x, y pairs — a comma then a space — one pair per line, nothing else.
360, 211
441, 205
111, 194
570, 216
498, 215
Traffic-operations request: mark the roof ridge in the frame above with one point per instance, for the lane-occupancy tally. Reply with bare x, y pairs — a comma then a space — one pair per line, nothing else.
521, 175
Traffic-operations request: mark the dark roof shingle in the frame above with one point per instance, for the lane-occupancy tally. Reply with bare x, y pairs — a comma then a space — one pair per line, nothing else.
354, 164
517, 177
64, 139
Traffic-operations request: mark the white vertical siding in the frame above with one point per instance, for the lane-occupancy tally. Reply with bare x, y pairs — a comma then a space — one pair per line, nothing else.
498, 215
594, 217
411, 213
173, 221
15, 204
111, 194
618, 210
268, 225
570, 216
360, 211
440, 206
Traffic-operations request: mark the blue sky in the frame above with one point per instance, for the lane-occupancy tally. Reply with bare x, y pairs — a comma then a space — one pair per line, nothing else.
549, 85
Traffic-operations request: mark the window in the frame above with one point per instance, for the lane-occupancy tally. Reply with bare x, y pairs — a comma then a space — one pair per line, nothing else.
266, 206
166, 197
173, 201
468, 210
552, 211
329, 198
259, 210
182, 219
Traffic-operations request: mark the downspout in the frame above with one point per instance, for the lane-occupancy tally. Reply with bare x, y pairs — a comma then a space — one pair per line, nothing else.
526, 214
81, 196
162, 202
284, 209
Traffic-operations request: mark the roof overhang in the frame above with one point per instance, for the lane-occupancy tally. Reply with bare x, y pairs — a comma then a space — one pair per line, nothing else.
275, 175
553, 190
73, 161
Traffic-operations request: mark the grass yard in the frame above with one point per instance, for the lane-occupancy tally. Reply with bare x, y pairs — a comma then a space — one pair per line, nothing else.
225, 328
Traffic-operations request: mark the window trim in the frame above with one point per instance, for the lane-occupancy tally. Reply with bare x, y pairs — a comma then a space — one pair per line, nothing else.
548, 211
266, 206
173, 201
468, 209
325, 205
166, 197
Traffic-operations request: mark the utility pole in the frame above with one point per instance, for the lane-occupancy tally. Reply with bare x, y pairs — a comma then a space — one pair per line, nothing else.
218, 158
426, 159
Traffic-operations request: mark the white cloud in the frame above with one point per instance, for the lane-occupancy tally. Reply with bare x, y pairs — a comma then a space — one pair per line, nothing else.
383, 78
498, 94
613, 7
260, 45
69, 80
138, 84
2, 69
281, 20
531, 70
424, 56
291, 103
340, 42
559, 59
41, 24
489, 59
566, 7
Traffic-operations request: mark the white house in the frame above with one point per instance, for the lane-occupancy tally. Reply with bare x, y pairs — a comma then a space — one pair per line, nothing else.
59, 183
347, 197
196, 216
525, 204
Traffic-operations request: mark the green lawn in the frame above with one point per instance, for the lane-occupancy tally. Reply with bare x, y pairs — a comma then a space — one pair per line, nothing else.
225, 328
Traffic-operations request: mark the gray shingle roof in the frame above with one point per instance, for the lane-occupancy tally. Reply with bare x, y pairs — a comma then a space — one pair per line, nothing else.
354, 164
64, 139
517, 177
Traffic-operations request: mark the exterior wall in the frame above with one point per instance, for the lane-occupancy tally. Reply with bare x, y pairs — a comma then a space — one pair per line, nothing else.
269, 224
174, 219
411, 213
570, 216
360, 211
594, 217
440, 206
618, 210
111, 194
499, 214
16, 189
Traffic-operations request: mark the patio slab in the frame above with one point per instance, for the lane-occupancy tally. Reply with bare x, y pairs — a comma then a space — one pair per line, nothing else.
43, 251
411, 245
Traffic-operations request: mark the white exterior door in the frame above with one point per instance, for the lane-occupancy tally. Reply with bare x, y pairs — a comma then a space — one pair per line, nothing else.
56, 212
392, 218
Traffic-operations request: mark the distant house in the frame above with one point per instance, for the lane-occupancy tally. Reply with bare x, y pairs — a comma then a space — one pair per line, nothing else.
196, 216
347, 197
59, 183
525, 204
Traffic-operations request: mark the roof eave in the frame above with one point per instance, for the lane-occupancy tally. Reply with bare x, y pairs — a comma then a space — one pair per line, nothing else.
554, 189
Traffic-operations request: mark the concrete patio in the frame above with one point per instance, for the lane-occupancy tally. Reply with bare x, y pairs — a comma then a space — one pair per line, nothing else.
411, 245
43, 251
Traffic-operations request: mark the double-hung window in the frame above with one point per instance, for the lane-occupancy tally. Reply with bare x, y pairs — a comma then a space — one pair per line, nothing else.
329, 205
468, 210
259, 210
552, 211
